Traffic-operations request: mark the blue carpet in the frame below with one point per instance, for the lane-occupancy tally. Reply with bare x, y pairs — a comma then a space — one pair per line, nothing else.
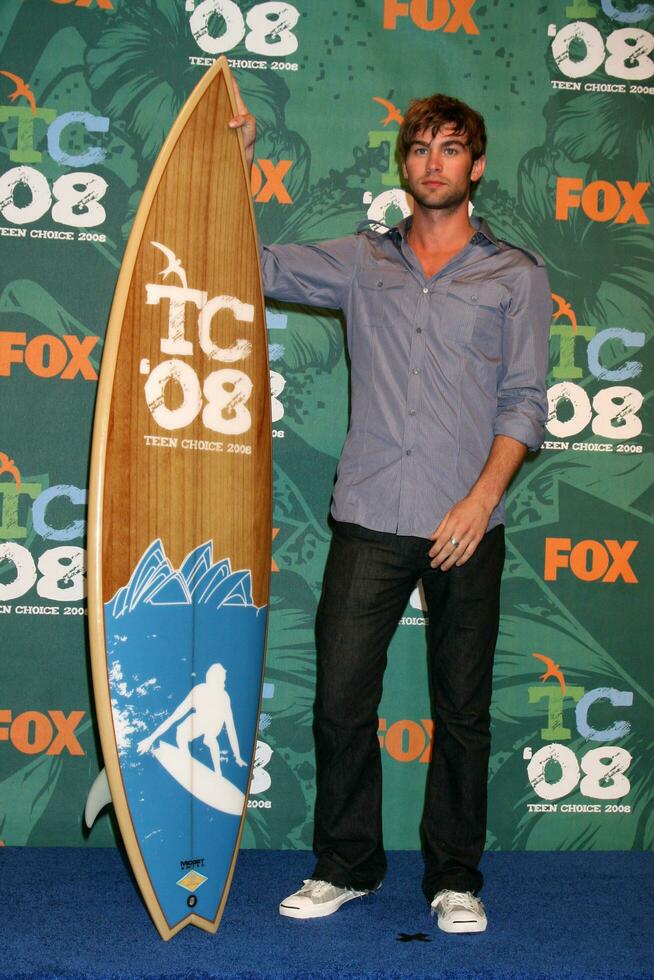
75, 913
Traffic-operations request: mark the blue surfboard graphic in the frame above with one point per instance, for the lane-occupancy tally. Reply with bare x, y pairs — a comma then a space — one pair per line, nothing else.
184, 653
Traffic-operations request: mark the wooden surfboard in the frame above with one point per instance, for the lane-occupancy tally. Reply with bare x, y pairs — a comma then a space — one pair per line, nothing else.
180, 518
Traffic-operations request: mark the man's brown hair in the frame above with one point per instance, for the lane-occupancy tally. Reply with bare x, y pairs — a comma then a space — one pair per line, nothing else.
442, 110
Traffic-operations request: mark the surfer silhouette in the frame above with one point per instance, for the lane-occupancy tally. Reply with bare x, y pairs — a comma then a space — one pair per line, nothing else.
205, 711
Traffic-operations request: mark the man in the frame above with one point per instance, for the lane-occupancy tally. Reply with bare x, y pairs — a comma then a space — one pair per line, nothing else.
447, 332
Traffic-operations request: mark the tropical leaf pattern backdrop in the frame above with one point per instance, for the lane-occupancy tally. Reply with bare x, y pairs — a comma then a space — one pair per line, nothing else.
88, 91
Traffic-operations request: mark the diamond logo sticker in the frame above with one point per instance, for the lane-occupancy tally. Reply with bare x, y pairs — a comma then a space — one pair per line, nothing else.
192, 881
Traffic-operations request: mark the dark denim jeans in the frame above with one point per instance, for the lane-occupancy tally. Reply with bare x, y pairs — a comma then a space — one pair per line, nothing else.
369, 578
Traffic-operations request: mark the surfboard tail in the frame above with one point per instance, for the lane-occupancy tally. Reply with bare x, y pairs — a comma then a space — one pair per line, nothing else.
99, 796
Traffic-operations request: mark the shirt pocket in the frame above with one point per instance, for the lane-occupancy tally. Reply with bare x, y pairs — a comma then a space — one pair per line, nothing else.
470, 307
380, 294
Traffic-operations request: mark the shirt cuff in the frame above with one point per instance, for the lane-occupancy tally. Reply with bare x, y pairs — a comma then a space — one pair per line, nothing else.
525, 430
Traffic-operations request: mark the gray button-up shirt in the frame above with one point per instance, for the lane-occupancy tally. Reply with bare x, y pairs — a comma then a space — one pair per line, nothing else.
439, 366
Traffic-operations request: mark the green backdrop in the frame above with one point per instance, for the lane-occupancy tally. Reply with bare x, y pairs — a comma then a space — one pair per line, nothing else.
88, 91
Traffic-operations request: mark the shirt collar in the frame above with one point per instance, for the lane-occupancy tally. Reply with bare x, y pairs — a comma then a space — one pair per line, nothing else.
482, 232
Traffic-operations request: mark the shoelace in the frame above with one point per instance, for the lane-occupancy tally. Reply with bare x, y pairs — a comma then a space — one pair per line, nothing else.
316, 886
448, 900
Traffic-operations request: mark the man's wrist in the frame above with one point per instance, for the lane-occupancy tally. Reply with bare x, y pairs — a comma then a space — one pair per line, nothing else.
484, 498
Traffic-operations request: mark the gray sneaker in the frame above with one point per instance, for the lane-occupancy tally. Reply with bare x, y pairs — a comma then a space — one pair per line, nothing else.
317, 898
459, 911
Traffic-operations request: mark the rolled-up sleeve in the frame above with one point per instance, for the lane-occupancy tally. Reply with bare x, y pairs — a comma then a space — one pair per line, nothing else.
522, 392
318, 275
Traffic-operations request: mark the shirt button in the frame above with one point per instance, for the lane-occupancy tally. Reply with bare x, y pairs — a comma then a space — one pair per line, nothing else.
408, 452
425, 290
474, 298
380, 282
416, 371
412, 411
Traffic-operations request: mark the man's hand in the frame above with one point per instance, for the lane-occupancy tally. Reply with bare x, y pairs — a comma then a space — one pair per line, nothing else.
458, 534
145, 745
246, 122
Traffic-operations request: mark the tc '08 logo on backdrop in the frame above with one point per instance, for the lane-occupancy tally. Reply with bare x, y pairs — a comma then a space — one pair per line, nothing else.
611, 413
42, 570
599, 771
31, 204
380, 203
266, 30
620, 59
261, 779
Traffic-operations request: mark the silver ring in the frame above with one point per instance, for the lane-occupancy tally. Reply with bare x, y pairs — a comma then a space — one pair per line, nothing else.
453, 541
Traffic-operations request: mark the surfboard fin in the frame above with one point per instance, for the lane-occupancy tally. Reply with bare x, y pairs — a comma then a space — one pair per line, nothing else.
99, 796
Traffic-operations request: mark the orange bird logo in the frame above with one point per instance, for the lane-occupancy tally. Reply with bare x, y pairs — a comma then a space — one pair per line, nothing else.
553, 670
22, 88
563, 308
8, 466
392, 112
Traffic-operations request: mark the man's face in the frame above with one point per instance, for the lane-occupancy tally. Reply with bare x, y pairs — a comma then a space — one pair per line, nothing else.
438, 169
